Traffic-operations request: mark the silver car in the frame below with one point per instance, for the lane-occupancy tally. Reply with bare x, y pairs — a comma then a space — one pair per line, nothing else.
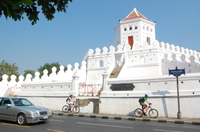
22, 111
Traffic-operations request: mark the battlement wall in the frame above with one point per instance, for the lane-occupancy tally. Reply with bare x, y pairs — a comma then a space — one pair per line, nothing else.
55, 84
145, 53
155, 53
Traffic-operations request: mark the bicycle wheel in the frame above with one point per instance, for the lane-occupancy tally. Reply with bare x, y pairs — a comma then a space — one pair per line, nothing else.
76, 109
65, 108
153, 113
138, 112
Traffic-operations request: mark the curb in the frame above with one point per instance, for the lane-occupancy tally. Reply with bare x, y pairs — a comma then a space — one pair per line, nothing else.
130, 118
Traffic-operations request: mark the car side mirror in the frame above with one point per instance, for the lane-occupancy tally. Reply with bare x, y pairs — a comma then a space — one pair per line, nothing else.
8, 105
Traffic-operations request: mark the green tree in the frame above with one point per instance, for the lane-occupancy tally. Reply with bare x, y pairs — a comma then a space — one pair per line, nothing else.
49, 68
32, 72
15, 9
9, 69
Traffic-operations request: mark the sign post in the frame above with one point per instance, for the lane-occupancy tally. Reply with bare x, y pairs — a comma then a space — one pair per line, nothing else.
177, 72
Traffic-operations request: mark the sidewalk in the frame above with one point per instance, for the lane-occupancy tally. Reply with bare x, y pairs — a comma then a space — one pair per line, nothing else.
192, 121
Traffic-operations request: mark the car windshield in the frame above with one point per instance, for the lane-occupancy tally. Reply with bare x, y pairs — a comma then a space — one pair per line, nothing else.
22, 102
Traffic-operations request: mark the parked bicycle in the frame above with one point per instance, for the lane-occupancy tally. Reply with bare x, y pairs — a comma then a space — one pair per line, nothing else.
74, 108
153, 113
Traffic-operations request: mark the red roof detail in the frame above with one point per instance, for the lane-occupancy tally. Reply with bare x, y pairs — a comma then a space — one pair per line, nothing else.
134, 15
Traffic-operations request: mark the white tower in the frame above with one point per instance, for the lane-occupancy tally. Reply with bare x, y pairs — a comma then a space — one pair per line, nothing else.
135, 29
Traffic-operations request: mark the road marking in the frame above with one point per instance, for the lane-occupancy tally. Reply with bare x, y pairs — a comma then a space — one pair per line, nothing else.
161, 130
56, 120
15, 125
103, 125
55, 130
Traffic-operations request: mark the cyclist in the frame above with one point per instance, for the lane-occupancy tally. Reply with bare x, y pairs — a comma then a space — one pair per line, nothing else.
143, 102
70, 101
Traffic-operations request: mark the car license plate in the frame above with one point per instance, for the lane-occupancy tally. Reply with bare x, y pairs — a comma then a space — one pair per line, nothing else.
45, 117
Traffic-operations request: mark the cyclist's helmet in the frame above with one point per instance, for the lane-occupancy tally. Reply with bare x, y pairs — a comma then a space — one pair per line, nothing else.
146, 95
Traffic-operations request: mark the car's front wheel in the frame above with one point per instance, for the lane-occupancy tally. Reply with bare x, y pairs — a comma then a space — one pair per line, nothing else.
21, 119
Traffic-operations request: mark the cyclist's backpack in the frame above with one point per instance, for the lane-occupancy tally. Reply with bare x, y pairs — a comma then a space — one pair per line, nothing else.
140, 100
67, 99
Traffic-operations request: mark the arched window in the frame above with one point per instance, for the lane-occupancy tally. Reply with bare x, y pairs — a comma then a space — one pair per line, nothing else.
149, 40
130, 28
147, 28
136, 27
142, 60
101, 63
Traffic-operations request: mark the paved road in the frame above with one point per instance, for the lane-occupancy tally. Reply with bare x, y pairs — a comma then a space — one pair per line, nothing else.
193, 121
85, 124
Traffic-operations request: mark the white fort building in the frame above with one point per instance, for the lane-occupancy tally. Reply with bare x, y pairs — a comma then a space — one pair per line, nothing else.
114, 77
138, 53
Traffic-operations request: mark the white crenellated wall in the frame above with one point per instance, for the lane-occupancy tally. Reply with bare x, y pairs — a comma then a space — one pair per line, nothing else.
56, 84
62, 83
12, 87
60, 76
98, 62
162, 91
147, 60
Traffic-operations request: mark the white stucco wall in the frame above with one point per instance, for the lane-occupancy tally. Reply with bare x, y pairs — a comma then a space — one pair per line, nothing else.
139, 70
56, 103
162, 92
167, 107
3, 91
94, 76
46, 89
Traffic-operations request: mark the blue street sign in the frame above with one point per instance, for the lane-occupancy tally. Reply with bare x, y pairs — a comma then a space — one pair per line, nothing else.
177, 72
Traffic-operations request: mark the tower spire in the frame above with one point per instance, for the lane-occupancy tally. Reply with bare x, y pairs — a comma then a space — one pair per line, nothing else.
135, 10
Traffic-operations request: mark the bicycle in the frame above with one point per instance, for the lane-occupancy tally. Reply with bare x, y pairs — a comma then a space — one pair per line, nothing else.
74, 108
153, 113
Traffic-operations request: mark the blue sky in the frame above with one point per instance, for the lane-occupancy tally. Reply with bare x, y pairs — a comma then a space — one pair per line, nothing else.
90, 24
